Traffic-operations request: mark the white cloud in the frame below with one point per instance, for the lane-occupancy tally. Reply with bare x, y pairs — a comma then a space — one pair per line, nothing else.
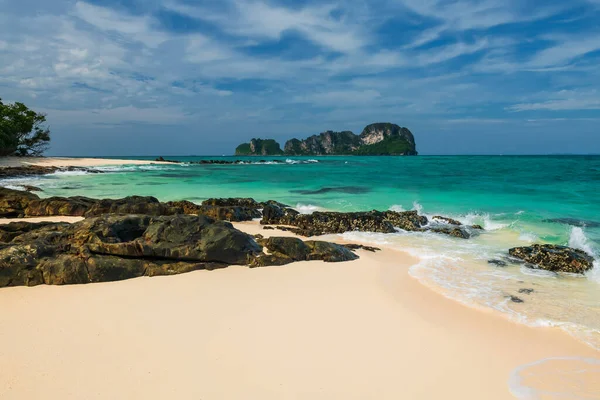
563, 100
131, 27
258, 19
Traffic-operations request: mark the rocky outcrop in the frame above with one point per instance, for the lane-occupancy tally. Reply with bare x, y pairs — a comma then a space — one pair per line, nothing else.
285, 250
33, 170
320, 223
117, 247
554, 258
259, 147
17, 204
375, 139
326, 143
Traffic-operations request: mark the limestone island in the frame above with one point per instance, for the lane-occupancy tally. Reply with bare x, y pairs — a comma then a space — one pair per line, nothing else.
376, 139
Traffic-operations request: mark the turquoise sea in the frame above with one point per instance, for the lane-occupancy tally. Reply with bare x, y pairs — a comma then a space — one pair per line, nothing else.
513, 197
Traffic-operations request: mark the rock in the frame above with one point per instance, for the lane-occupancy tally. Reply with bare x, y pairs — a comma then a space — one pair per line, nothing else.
353, 246
498, 263
554, 258
268, 228
114, 247
477, 227
329, 252
71, 206
454, 232
34, 170
446, 220
515, 299
526, 291
320, 223
233, 209
284, 250
186, 207
14, 202
29, 188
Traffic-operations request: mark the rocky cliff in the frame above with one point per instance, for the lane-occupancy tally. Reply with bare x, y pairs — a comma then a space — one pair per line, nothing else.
259, 147
376, 139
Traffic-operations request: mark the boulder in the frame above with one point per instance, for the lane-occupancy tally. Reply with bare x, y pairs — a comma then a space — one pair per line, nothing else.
555, 258
284, 250
14, 202
446, 220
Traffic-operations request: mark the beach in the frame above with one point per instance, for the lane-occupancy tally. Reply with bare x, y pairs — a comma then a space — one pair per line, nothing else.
383, 326
308, 330
59, 162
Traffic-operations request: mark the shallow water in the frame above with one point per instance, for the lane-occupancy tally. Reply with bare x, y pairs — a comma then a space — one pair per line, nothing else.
518, 199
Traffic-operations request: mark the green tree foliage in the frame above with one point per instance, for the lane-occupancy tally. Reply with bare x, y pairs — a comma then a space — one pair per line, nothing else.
23, 132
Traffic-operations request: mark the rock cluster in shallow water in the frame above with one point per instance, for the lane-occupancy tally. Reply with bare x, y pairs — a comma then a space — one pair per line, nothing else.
555, 258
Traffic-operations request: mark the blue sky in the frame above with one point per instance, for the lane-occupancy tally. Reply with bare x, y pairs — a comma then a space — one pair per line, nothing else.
150, 77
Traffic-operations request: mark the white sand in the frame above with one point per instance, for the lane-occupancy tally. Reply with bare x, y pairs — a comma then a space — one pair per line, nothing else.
311, 330
68, 162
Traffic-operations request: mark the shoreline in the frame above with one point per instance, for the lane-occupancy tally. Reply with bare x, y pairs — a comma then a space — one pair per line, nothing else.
356, 329
60, 162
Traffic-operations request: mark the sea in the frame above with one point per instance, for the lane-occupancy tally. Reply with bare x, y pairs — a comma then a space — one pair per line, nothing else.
519, 200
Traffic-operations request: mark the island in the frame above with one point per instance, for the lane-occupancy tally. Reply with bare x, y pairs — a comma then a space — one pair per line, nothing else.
376, 139
259, 147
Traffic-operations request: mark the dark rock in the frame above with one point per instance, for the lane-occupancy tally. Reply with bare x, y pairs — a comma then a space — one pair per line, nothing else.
14, 202
526, 291
29, 188
554, 257
455, 232
71, 206
232, 209
516, 299
498, 263
320, 223
477, 227
268, 228
284, 250
353, 246
446, 220
186, 207
329, 252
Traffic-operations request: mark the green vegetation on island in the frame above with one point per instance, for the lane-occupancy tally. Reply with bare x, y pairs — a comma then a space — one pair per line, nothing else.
259, 147
375, 139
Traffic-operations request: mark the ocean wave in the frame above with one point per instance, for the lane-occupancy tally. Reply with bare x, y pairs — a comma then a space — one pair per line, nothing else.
484, 220
397, 208
307, 208
70, 173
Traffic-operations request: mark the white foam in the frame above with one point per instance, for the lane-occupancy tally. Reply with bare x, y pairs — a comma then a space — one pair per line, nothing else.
528, 237
417, 207
483, 219
397, 208
73, 173
578, 240
307, 208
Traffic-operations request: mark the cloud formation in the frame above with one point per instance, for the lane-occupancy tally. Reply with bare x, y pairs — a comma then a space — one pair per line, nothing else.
278, 68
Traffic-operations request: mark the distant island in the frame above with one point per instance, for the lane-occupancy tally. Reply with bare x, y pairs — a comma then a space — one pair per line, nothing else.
375, 140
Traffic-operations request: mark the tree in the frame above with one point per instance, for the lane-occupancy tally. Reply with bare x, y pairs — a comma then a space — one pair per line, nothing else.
23, 132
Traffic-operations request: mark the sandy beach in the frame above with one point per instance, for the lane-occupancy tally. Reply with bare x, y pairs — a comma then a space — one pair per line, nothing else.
68, 162
310, 330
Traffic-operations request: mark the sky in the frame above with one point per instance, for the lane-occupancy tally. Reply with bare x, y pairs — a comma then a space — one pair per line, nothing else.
198, 77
